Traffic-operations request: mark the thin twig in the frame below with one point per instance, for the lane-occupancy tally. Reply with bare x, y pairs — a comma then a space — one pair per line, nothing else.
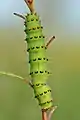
30, 5
51, 39
21, 16
16, 76
11, 74
51, 112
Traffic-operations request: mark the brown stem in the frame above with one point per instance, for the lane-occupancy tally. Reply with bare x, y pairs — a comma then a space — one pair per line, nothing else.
30, 5
47, 114
44, 115
21, 16
51, 39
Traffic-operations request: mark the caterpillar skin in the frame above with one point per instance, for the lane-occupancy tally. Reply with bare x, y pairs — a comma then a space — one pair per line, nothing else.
37, 59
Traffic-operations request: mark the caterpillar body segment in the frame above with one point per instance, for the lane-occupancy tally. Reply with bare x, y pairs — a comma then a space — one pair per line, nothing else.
38, 60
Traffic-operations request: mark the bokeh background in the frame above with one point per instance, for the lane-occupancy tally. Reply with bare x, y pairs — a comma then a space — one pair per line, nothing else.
60, 18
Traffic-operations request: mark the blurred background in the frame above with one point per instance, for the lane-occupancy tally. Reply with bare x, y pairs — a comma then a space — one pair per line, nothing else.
60, 18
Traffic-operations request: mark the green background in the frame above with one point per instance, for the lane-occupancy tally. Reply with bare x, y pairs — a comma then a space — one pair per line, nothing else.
59, 18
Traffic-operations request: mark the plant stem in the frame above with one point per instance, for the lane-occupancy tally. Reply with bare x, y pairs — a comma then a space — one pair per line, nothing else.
51, 39
16, 76
44, 115
21, 16
30, 5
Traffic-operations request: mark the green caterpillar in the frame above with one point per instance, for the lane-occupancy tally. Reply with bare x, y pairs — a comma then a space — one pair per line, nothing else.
37, 58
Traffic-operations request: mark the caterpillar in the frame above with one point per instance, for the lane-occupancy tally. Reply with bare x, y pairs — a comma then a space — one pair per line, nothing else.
36, 49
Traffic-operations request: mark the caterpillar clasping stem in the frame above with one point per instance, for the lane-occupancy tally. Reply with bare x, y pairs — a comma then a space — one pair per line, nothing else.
21, 16
37, 60
51, 39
